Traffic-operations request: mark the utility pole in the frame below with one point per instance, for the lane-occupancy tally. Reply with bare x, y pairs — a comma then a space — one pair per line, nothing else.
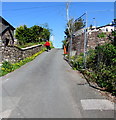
69, 30
67, 11
85, 42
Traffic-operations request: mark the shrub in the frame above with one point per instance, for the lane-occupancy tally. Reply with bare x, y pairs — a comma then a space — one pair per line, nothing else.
77, 62
101, 66
101, 35
6, 68
102, 61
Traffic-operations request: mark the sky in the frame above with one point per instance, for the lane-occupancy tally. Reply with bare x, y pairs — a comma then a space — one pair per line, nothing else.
54, 14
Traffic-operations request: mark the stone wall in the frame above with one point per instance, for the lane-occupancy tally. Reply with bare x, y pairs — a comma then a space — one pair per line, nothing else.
92, 41
14, 54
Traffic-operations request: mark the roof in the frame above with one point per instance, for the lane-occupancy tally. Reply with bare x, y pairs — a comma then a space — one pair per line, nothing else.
4, 24
105, 26
3, 29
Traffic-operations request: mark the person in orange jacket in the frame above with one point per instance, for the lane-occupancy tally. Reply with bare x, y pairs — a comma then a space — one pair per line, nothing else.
47, 44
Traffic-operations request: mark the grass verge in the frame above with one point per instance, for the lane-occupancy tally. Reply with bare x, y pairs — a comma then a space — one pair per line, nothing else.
7, 67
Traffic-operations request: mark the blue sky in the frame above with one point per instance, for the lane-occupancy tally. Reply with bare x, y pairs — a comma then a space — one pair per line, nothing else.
54, 13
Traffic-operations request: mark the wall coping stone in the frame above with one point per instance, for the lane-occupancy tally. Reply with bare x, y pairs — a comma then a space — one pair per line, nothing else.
31, 47
24, 49
14, 54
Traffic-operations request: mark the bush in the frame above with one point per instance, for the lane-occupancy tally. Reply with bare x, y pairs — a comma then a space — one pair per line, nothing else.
101, 66
102, 61
6, 68
101, 35
77, 62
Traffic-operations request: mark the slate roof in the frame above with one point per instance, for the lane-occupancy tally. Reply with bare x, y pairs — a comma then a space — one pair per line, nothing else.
5, 25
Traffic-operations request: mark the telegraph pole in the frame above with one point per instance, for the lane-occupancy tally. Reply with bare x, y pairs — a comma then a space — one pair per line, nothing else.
69, 30
67, 11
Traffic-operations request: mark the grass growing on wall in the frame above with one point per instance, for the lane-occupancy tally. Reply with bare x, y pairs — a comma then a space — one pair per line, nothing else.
7, 67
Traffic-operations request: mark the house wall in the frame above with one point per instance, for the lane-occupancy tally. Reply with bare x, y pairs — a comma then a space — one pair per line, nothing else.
107, 28
14, 54
8, 36
7, 33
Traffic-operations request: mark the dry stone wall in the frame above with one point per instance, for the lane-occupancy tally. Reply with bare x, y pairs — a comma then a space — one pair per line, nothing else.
14, 54
92, 41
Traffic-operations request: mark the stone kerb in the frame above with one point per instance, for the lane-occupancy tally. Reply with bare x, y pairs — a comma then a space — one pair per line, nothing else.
14, 54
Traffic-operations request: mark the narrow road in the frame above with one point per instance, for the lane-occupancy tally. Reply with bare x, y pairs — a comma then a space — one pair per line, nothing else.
47, 87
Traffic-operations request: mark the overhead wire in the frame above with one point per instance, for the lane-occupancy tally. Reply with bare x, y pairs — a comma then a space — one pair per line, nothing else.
39, 12
31, 8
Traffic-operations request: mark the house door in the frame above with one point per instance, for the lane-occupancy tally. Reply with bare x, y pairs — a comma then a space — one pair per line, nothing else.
6, 41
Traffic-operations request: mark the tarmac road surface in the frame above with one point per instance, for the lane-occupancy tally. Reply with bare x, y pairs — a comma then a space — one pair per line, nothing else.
47, 87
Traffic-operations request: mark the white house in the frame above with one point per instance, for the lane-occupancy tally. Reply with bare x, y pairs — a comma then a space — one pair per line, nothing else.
106, 28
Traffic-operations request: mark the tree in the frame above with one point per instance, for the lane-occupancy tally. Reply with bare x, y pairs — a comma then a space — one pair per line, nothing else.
67, 33
73, 26
45, 34
21, 34
33, 34
78, 24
